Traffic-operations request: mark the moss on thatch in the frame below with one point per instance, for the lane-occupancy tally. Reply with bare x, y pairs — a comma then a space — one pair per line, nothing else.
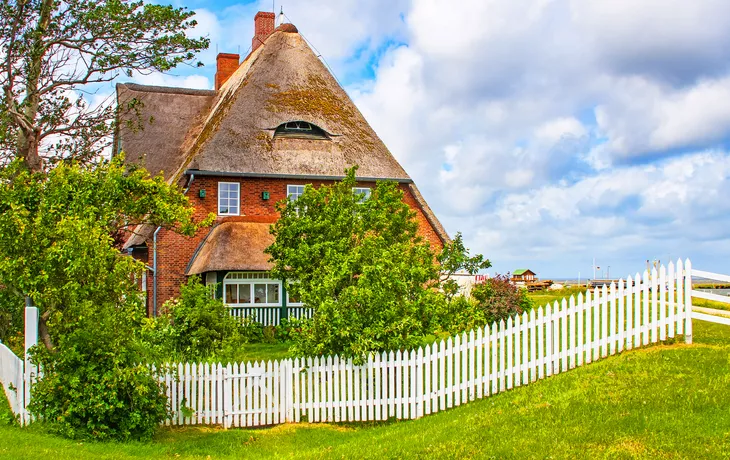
316, 99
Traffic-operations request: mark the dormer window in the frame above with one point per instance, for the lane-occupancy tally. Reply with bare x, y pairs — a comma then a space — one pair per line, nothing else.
300, 130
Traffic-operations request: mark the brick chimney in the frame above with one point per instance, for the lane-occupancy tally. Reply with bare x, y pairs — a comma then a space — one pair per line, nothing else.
264, 24
225, 65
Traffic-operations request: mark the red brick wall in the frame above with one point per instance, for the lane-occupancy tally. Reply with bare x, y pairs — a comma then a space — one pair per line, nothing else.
175, 251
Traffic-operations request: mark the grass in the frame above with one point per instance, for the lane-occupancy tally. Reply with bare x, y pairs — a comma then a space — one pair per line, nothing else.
697, 302
542, 298
261, 352
713, 285
668, 401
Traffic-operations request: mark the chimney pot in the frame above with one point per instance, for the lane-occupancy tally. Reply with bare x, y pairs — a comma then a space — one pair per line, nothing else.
264, 24
226, 64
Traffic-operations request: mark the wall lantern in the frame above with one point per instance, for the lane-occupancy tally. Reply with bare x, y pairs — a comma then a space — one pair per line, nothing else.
201, 193
264, 195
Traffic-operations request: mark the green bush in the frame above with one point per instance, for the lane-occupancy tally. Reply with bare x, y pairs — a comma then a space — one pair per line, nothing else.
196, 326
287, 328
93, 385
251, 331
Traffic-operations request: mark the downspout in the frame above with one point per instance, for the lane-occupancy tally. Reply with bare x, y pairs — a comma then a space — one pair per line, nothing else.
154, 272
154, 256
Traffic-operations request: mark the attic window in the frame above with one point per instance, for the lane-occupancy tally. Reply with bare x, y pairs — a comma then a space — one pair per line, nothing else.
300, 130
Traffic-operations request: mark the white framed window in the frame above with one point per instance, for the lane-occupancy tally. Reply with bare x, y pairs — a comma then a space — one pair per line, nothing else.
229, 198
364, 191
294, 191
251, 289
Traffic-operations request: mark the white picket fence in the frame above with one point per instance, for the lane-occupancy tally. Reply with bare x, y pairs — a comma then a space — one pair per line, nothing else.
17, 375
634, 312
546, 341
11, 376
269, 316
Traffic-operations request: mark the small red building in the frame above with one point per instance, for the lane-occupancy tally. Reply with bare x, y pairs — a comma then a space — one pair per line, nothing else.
275, 122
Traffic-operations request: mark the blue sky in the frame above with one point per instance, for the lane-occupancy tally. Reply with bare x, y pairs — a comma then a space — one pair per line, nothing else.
548, 132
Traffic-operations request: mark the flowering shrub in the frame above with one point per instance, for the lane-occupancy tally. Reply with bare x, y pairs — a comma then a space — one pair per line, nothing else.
494, 300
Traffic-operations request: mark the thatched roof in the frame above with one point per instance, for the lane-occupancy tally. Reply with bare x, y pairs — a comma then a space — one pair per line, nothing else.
152, 135
231, 131
233, 246
284, 81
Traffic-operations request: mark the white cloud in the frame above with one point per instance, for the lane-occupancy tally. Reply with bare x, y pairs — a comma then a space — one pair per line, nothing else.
646, 117
533, 112
626, 214
552, 131
670, 40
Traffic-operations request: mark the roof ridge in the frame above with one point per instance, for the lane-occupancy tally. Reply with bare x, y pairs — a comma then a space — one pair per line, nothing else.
168, 89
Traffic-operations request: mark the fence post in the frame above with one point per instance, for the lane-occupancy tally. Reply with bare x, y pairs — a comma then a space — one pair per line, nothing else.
688, 302
31, 339
228, 396
288, 373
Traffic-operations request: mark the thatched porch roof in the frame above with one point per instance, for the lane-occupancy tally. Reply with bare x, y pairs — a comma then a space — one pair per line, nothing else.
233, 246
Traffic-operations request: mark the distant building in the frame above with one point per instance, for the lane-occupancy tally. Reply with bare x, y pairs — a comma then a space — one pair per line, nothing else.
523, 275
467, 281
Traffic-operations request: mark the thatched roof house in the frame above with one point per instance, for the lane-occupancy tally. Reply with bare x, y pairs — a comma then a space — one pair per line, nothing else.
276, 121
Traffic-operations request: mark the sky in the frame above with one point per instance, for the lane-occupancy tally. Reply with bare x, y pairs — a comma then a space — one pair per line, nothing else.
547, 132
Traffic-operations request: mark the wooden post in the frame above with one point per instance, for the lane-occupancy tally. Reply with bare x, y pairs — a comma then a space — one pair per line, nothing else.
29, 370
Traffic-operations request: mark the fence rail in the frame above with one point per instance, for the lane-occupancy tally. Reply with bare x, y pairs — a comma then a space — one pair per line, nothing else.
711, 276
710, 296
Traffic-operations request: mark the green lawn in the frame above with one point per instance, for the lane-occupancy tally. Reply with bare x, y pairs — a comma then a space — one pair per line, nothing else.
710, 304
669, 401
541, 298
262, 351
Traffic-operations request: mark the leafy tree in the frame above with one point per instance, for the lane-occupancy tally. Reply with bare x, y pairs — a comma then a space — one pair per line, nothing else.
53, 51
57, 246
56, 234
371, 280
